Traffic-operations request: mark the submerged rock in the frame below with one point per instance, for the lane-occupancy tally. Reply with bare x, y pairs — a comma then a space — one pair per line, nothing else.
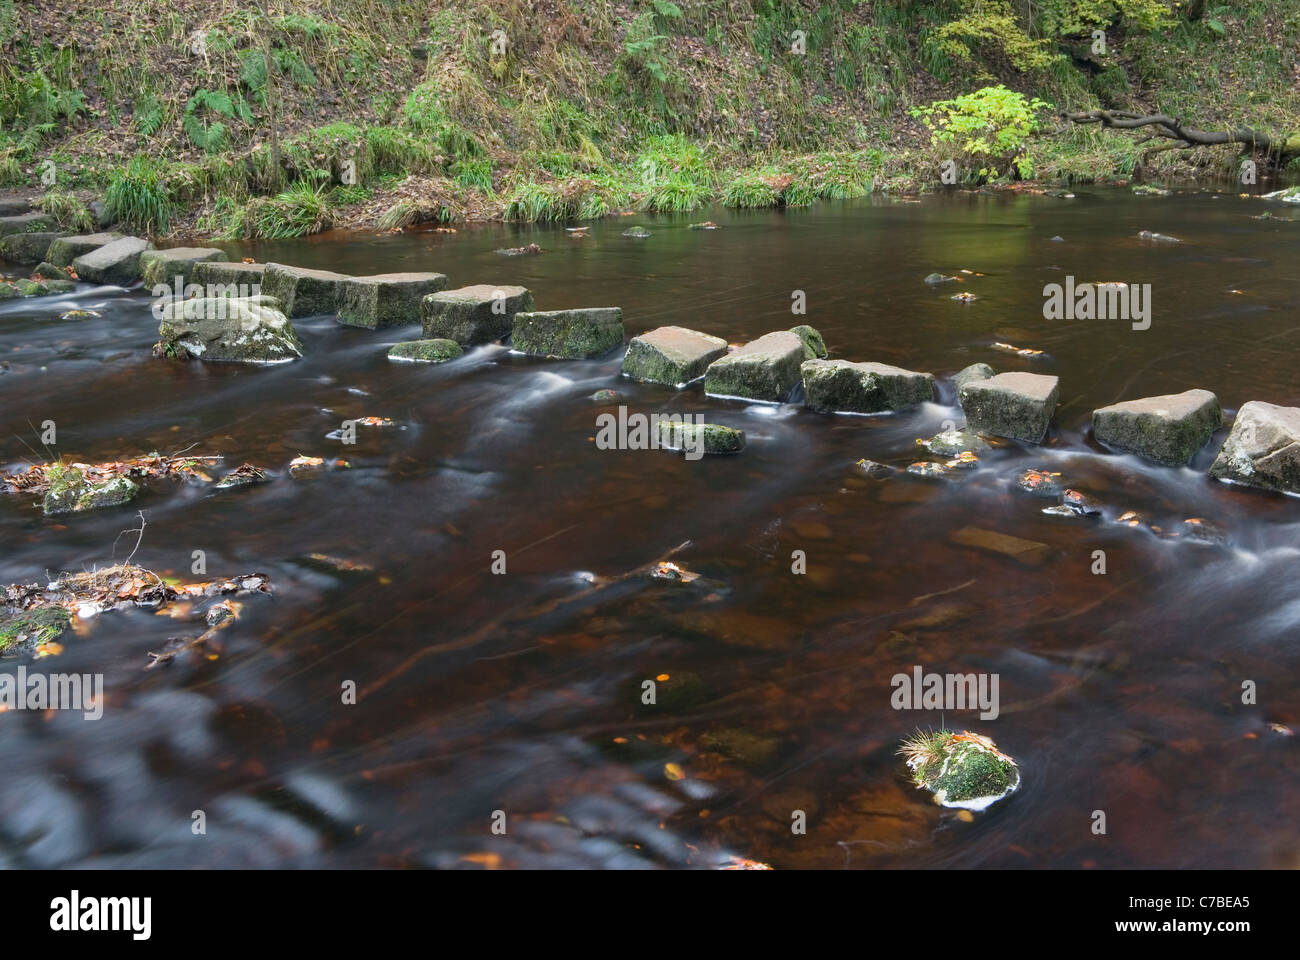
950, 443
962, 770
66, 249
164, 266
705, 437
1158, 237
475, 314
386, 299
245, 475
935, 278
637, 233
230, 329
763, 369
604, 396
1262, 449
1040, 483
302, 292
582, 334
1168, 429
672, 355
832, 386
426, 351
1030, 553
116, 262
71, 491
1014, 405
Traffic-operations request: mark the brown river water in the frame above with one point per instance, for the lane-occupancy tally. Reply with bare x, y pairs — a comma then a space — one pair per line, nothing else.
520, 693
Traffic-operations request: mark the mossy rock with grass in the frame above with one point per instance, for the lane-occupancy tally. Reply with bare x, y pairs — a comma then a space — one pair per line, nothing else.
707, 437
21, 629
71, 492
960, 769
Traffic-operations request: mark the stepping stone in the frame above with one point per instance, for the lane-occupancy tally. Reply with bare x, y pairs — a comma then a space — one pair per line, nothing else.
27, 247
470, 315
386, 299
1015, 405
671, 355
1262, 449
66, 249
1168, 429
582, 334
33, 222
425, 351
839, 386
1029, 553
219, 273
117, 262
302, 292
764, 369
14, 208
164, 266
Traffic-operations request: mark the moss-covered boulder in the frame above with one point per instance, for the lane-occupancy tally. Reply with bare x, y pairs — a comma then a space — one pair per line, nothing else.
672, 355
471, 315
960, 769
71, 491
31, 288
386, 299
48, 271
166, 266
1167, 429
425, 351
1262, 449
765, 369
695, 438
813, 345
1014, 405
117, 262
21, 629
227, 329
301, 291
840, 386
582, 334
27, 247
66, 249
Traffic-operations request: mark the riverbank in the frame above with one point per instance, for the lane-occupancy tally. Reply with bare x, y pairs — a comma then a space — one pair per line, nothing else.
212, 121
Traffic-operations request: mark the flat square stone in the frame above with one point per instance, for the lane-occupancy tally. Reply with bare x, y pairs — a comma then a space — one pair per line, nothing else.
66, 249
231, 276
477, 314
33, 222
764, 369
164, 266
117, 262
671, 355
1014, 405
832, 386
301, 291
1168, 429
386, 299
1029, 553
581, 334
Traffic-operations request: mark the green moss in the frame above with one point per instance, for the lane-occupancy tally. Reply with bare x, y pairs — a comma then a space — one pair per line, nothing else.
32, 627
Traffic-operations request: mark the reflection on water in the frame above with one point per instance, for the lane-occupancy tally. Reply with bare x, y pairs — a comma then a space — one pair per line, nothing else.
520, 693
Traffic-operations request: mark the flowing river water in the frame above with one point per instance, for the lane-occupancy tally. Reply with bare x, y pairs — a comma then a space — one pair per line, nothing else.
486, 698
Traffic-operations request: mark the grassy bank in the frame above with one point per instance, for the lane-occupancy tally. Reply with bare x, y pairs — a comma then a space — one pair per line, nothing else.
279, 119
